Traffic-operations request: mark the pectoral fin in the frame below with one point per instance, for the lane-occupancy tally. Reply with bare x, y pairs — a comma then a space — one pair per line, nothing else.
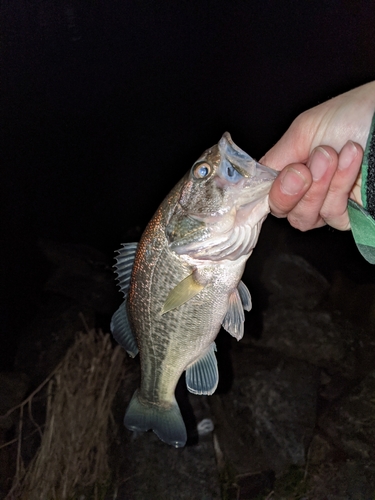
202, 376
184, 291
235, 317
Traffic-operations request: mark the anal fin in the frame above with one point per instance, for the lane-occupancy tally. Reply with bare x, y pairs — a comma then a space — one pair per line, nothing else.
202, 376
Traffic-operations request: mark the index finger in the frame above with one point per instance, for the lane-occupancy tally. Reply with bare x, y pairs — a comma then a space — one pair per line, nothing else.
289, 188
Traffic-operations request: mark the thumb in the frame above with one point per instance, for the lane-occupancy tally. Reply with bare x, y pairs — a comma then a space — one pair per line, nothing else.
293, 147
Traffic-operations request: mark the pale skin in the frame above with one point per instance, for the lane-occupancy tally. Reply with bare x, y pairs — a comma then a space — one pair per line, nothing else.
320, 156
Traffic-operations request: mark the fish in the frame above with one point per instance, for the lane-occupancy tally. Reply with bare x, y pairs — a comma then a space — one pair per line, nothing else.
182, 283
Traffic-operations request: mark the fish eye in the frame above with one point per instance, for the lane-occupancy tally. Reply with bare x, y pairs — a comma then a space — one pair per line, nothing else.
201, 170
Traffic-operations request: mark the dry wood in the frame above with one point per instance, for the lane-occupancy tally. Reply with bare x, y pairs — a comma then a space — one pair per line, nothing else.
73, 454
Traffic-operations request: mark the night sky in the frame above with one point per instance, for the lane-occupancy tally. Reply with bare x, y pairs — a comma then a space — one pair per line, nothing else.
106, 104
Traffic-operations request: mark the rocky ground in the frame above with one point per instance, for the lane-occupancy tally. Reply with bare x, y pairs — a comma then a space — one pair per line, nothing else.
294, 413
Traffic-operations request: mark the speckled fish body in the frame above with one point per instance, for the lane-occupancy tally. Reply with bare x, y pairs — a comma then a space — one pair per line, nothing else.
182, 282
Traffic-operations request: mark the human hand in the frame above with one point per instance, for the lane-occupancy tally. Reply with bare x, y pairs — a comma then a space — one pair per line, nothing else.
316, 181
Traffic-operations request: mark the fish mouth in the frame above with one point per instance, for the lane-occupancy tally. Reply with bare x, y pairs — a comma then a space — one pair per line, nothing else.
244, 202
256, 186
252, 190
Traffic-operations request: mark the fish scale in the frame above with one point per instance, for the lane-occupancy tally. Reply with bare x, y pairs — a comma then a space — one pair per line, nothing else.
185, 282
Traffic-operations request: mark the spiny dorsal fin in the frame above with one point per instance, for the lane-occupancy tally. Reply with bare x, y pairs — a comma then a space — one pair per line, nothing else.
181, 293
124, 265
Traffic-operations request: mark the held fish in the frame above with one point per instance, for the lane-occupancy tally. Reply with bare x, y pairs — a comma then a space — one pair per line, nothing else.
182, 282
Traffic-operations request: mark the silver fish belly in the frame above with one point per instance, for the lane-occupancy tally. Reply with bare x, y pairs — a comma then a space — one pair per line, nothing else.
182, 282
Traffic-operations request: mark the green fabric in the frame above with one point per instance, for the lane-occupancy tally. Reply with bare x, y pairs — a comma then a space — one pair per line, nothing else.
363, 225
361, 222
367, 252
365, 164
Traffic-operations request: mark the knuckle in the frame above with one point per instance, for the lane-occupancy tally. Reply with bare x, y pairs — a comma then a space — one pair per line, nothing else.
298, 223
334, 190
331, 211
326, 214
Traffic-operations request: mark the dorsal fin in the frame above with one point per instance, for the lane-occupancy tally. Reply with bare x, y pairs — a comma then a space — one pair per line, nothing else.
124, 265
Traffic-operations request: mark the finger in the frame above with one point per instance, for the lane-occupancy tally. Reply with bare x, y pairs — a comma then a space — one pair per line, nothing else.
306, 214
288, 189
334, 209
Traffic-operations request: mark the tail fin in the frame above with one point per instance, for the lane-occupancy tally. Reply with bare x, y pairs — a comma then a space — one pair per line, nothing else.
167, 424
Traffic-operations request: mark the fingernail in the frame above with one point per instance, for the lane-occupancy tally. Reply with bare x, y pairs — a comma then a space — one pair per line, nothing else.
347, 155
318, 163
292, 181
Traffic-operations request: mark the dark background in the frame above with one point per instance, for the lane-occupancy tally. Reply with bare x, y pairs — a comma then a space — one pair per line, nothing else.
106, 104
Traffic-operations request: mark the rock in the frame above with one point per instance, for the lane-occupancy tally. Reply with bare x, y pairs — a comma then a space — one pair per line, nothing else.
334, 386
321, 450
83, 274
50, 335
267, 419
13, 387
299, 323
258, 432
81, 284
156, 470
149, 468
249, 486
356, 301
350, 421
310, 336
283, 404
346, 480
290, 279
